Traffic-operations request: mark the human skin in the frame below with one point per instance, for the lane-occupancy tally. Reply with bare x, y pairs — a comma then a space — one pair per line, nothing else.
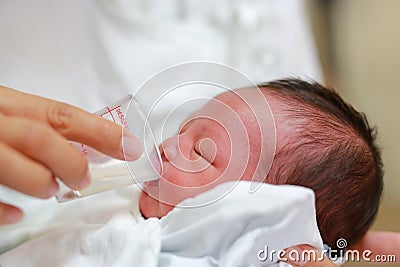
320, 261
34, 147
380, 243
218, 143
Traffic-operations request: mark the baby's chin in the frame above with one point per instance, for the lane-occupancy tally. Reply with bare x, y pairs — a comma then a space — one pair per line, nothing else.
150, 207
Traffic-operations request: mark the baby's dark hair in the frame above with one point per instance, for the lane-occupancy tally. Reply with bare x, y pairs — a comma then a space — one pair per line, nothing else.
332, 150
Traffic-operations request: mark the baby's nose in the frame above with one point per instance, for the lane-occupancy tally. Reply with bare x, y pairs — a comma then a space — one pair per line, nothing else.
177, 148
179, 152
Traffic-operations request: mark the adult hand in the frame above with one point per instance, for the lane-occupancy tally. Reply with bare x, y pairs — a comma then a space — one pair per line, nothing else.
294, 257
34, 147
380, 244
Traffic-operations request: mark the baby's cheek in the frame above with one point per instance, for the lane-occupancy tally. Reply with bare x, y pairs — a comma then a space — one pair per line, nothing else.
172, 175
181, 178
176, 185
151, 207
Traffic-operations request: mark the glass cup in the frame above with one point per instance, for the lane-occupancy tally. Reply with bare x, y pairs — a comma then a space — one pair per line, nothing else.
109, 173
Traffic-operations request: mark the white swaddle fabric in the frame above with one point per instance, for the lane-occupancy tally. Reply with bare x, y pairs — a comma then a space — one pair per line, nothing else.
228, 232
102, 230
120, 242
90, 53
231, 231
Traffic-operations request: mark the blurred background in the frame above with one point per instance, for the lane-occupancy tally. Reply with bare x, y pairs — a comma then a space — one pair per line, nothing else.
359, 48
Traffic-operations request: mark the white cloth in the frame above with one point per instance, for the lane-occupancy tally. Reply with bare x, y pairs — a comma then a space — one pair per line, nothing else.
90, 53
120, 242
231, 231
44, 216
101, 230
228, 232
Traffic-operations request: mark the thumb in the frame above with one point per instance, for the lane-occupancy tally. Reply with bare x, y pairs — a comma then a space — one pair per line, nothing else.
9, 214
307, 256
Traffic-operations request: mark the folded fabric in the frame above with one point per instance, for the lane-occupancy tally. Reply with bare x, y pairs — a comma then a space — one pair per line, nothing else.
240, 228
235, 230
44, 216
120, 242
102, 230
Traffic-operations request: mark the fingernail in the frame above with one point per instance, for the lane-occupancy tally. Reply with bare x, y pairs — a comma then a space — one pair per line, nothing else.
53, 189
86, 181
131, 146
297, 256
13, 216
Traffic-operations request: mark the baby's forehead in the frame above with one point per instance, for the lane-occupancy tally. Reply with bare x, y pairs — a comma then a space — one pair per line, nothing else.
248, 105
240, 100
236, 97
228, 104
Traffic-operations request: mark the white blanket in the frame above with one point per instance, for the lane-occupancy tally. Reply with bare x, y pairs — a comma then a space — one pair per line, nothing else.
229, 232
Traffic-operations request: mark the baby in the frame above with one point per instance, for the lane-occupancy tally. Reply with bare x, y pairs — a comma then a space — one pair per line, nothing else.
321, 143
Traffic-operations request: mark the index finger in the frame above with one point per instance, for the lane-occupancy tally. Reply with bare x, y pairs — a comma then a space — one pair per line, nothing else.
73, 123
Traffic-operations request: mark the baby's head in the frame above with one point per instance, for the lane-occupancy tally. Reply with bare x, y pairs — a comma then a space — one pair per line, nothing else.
321, 143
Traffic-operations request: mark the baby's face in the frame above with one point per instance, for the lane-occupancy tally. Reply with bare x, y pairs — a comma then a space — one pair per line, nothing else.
218, 143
